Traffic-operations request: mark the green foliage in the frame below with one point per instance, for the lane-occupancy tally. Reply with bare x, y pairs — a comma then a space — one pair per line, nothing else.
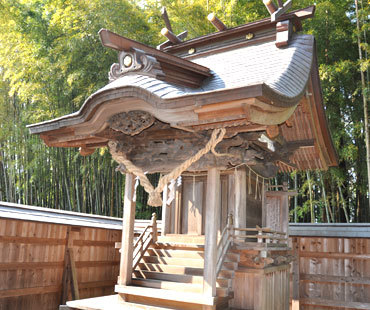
51, 60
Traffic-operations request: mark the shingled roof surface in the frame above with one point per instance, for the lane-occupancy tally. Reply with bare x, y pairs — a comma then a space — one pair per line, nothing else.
284, 70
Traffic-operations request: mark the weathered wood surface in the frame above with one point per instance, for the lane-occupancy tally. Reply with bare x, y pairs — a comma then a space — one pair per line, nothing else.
32, 255
32, 261
334, 272
213, 206
127, 231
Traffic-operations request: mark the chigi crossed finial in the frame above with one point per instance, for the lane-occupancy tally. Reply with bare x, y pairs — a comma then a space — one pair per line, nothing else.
277, 12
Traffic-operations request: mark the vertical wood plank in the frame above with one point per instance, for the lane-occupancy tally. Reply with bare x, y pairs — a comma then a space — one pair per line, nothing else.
192, 207
166, 213
127, 232
212, 217
231, 194
240, 199
74, 281
224, 207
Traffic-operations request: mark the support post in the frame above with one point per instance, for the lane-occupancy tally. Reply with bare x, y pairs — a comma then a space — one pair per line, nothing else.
240, 216
125, 271
166, 214
212, 216
154, 228
295, 269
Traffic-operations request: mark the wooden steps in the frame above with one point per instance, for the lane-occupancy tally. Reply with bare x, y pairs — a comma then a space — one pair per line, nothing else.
184, 278
177, 261
182, 239
170, 269
170, 275
178, 296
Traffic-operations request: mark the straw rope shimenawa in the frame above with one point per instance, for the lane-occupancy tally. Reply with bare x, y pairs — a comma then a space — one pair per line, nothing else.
155, 198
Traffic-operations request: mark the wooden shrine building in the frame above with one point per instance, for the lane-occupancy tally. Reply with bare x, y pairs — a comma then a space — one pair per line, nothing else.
217, 116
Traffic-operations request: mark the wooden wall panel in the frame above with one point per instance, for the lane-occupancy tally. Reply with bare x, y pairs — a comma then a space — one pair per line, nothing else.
32, 262
334, 273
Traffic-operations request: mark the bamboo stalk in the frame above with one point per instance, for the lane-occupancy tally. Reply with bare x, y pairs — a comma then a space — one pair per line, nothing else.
343, 203
310, 193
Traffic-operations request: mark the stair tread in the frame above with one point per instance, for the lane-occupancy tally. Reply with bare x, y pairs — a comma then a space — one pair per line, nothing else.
154, 281
188, 262
188, 297
172, 285
185, 278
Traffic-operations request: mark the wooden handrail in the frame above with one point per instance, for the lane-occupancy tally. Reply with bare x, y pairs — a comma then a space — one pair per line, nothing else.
224, 243
268, 230
144, 241
263, 233
142, 235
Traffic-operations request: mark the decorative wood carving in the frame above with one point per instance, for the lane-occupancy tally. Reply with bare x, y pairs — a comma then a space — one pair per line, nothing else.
134, 61
161, 148
131, 123
163, 65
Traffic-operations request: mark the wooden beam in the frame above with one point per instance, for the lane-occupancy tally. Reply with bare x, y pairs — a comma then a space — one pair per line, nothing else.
166, 19
281, 10
324, 278
30, 291
127, 232
74, 282
213, 204
220, 26
270, 6
120, 43
298, 15
334, 303
170, 36
182, 36
240, 217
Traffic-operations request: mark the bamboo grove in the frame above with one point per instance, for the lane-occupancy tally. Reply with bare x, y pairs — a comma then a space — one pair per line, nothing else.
51, 60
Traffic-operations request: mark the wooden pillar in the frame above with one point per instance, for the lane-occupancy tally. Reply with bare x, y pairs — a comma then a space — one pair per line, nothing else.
295, 269
240, 216
166, 214
212, 217
125, 271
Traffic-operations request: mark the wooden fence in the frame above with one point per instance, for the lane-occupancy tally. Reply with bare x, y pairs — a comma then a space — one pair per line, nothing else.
333, 266
332, 270
33, 244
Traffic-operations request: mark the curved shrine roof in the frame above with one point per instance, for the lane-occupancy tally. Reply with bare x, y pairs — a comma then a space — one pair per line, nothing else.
253, 84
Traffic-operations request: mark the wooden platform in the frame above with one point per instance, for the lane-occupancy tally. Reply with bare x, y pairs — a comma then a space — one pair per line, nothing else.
111, 302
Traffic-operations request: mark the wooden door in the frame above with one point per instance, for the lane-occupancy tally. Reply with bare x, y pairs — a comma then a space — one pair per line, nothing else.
276, 210
192, 206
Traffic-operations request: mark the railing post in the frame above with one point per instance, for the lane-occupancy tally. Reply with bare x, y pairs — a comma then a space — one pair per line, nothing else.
154, 227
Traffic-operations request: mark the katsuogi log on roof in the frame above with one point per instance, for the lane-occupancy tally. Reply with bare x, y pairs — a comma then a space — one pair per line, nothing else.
259, 81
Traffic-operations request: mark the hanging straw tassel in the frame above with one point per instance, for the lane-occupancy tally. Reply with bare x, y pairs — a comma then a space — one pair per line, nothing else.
250, 183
